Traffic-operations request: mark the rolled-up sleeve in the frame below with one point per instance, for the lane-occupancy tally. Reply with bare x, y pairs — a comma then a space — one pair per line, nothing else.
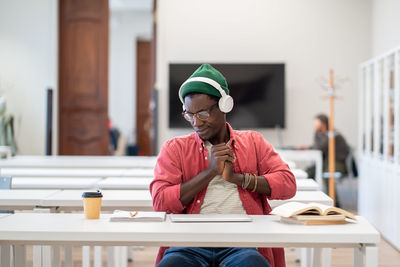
165, 187
280, 179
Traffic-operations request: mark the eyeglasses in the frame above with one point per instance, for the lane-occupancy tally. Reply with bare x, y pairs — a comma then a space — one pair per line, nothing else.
201, 115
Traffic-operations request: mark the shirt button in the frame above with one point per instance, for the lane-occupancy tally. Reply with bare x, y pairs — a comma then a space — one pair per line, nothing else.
201, 149
198, 201
206, 158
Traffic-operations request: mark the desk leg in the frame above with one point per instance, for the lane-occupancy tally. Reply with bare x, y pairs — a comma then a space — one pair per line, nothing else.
98, 256
110, 256
130, 254
120, 256
306, 257
46, 256
37, 256
358, 257
370, 254
20, 255
5, 256
326, 257
124, 256
85, 256
317, 257
56, 261
298, 254
68, 262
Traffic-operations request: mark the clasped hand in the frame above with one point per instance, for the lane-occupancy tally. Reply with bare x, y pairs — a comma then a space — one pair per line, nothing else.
221, 161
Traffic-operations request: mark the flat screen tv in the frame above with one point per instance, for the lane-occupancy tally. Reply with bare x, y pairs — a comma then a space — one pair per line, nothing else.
258, 92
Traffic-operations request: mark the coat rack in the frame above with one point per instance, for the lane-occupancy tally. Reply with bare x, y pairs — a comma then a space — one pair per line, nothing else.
331, 136
330, 86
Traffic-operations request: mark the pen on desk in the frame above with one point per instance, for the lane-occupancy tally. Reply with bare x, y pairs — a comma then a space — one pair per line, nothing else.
134, 214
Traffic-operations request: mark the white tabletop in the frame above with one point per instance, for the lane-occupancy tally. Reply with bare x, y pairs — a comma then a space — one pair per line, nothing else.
138, 172
76, 172
134, 183
79, 162
117, 199
305, 197
300, 155
307, 185
144, 183
305, 155
299, 174
62, 172
54, 183
28, 198
264, 231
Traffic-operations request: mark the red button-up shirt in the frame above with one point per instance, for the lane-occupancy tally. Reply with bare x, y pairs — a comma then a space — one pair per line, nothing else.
182, 158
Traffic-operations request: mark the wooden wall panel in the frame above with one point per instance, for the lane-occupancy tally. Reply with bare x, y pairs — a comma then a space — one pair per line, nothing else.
143, 98
83, 82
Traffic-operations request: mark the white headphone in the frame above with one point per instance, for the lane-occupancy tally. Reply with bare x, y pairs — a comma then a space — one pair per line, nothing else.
225, 103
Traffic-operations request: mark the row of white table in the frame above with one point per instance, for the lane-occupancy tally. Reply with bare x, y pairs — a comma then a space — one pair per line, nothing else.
93, 172
314, 156
76, 172
112, 199
110, 183
264, 231
119, 162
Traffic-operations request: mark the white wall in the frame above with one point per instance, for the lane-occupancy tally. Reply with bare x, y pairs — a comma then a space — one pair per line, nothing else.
310, 36
125, 28
28, 65
385, 25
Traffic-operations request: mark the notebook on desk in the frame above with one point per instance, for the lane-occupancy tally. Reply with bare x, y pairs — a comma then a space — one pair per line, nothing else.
182, 218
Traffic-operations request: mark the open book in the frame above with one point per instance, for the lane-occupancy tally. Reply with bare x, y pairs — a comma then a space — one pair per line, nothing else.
312, 213
140, 216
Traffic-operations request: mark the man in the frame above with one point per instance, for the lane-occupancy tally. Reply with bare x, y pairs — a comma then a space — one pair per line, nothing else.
217, 170
321, 142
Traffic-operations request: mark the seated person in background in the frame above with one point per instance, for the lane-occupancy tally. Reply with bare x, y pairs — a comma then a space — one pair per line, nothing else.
321, 142
217, 170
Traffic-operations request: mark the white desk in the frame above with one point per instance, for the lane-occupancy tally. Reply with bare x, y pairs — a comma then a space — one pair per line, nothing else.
264, 231
76, 172
62, 172
23, 199
307, 185
134, 183
54, 183
305, 155
305, 197
112, 199
138, 172
78, 162
299, 174
115, 199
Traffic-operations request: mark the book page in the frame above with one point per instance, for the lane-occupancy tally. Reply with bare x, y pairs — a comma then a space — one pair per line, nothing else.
329, 210
294, 208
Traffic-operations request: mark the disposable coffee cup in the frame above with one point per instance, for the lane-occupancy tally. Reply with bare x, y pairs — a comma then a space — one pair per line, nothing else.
92, 204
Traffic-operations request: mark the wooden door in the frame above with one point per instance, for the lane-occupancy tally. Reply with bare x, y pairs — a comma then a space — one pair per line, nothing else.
83, 77
143, 98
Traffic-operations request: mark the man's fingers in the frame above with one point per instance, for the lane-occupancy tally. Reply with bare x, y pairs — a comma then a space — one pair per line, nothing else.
224, 152
225, 158
219, 147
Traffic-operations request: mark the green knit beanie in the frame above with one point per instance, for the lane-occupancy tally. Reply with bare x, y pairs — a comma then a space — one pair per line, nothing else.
206, 71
